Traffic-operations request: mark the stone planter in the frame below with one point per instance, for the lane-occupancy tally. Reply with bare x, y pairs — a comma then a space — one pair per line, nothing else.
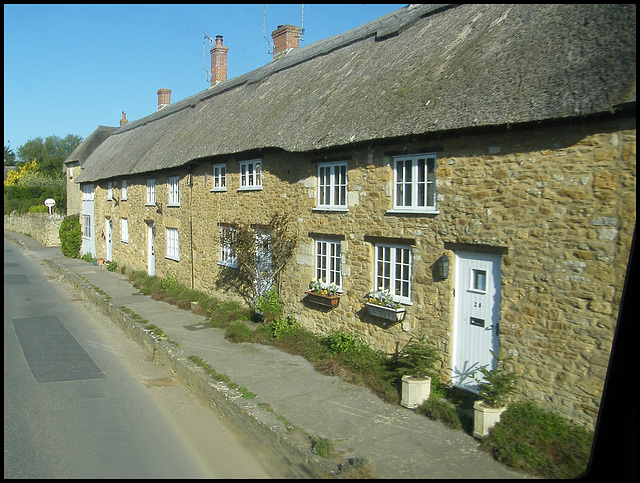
328, 301
380, 311
484, 418
415, 391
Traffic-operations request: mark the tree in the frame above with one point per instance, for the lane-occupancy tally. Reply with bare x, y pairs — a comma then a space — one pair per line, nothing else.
9, 156
262, 251
16, 176
49, 153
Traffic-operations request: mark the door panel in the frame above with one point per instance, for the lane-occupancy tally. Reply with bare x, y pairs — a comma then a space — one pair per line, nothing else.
476, 316
151, 255
108, 229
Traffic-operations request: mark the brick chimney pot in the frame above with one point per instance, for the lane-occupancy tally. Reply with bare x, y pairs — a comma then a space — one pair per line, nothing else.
164, 98
285, 38
218, 62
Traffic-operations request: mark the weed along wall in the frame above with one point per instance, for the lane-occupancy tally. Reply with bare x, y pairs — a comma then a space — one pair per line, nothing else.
555, 204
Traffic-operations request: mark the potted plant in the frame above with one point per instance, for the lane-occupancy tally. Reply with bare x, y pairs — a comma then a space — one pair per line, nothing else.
323, 294
380, 304
415, 364
494, 391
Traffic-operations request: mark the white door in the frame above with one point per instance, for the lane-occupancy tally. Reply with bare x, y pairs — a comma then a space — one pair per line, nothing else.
264, 279
108, 228
476, 316
151, 254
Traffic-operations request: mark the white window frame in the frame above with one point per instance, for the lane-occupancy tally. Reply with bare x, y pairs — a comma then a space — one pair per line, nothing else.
393, 270
86, 226
151, 192
173, 244
123, 190
87, 192
219, 177
124, 230
332, 186
109, 190
228, 256
414, 186
328, 262
251, 175
173, 186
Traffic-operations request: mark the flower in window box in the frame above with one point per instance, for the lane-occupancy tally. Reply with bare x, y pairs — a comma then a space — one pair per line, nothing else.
322, 288
382, 297
323, 294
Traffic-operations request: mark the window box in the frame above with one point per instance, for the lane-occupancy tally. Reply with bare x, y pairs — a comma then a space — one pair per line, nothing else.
388, 313
326, 300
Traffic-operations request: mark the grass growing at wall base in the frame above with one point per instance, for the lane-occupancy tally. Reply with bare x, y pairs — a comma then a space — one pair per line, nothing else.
527, 438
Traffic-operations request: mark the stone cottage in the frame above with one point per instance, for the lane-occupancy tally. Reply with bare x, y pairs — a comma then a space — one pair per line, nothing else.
72, 166
476, 161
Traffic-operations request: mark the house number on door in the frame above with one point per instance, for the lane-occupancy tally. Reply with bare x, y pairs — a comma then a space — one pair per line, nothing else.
477, 305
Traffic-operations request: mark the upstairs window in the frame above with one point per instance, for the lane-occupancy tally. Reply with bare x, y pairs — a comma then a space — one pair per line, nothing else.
393, 271
250, 175
332, 186
123, 190
151, 192
174, 191
109, 190
87, 192
414, 181
219, 177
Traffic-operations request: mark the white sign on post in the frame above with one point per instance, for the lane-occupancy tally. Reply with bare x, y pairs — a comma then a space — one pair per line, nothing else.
49, 202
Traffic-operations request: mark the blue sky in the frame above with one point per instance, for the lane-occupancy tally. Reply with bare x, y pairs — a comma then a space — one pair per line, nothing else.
70, 68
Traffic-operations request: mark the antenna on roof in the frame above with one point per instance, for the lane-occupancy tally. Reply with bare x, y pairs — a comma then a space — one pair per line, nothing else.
204, 48
264, 14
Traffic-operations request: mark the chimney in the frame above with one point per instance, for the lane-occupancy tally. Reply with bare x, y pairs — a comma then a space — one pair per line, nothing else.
164, 98
218, 62
123, 121
285, 38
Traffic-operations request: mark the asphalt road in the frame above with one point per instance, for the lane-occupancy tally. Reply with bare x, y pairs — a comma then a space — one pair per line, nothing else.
82, 401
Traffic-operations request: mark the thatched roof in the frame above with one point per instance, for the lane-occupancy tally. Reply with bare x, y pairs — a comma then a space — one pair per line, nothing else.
88, 145
418, 70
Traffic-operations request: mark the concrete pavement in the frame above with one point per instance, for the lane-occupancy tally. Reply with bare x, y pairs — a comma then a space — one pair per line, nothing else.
293, 402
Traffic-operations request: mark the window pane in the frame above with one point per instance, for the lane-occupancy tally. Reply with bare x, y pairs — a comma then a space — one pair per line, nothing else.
480, 280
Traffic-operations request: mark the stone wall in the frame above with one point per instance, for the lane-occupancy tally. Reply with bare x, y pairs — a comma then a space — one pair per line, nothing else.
558, 202
41, 226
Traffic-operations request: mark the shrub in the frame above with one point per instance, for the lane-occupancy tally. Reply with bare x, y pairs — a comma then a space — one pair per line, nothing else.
418, 359
87, 257
440, 409
497, 385
112, 266
238, 332
269, 304
284, 327
70, 234
168, 282
340, 341
38, 209
530, 439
